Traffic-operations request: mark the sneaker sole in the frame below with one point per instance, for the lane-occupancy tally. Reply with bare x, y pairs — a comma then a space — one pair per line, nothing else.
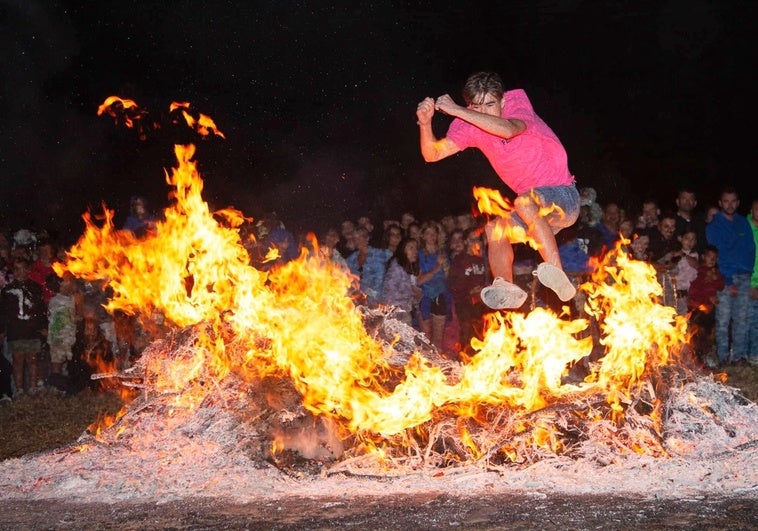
503, 297
554, 278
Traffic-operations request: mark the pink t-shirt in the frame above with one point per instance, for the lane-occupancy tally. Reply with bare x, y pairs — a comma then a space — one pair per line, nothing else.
529, 160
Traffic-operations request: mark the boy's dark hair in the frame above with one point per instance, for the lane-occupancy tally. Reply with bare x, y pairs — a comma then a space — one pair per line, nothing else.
710, 248
482, 83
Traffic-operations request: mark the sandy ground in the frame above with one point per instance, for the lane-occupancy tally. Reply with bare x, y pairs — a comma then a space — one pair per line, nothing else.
108, 487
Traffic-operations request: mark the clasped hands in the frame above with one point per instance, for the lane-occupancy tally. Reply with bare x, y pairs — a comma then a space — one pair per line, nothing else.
427, 106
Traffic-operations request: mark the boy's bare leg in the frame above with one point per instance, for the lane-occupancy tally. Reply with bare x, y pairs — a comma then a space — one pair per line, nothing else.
550, 272
503, 293
499, 250
19, 359
539, 229
438, 330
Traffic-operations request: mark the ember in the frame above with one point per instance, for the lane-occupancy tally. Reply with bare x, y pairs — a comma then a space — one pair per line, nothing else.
301, 368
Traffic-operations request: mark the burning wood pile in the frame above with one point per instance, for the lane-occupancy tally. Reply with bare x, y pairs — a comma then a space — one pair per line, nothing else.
688, 416
284, 368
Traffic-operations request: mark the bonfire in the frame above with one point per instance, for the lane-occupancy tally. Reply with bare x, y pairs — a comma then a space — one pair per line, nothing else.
287, 369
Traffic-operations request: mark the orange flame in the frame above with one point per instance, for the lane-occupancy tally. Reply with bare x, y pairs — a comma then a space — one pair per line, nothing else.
491, 202
121, 108
202, 124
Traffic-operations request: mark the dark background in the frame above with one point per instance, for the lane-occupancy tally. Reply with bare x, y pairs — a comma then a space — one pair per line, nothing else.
317, 101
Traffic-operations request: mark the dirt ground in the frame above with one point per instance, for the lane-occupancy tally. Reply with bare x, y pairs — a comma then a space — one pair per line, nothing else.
391, 513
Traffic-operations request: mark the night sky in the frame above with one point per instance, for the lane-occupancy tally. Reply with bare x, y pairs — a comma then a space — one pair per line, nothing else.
318, 103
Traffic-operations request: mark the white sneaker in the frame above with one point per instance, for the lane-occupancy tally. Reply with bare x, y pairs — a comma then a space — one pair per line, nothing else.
554, 278
502, 295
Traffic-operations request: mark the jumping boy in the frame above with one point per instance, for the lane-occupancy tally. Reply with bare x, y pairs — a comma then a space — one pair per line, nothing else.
529, 158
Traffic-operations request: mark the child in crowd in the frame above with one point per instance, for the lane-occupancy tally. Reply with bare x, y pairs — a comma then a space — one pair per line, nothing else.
436, 301
140, 221
468, 274
393, 233
369, 264
399, 288
686, 269
328, 247
574, 251
702, 301
42, 268
61, 328
23, 323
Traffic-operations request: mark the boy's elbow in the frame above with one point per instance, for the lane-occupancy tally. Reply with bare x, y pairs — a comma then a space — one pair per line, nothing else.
432, 155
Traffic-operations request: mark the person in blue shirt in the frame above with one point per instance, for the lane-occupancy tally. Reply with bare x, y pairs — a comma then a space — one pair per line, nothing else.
436, 301
731, 234
140, 221
369, 264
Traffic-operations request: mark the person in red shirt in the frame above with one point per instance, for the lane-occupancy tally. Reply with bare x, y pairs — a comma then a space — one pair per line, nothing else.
467, 276
42, 267
702, 301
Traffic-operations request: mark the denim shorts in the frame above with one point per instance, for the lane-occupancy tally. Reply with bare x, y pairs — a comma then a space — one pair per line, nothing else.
564, 197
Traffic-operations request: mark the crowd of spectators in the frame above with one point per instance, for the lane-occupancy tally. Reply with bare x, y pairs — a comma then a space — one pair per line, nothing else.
56, 332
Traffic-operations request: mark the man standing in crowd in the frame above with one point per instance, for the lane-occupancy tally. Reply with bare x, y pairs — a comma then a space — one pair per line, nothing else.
529, 158
688, 219
732, 235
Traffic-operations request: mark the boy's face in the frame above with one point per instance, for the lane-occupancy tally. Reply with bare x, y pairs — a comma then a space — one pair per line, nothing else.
488, 104
20, 271
641, 243
688, 240
710, 258
456, 242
